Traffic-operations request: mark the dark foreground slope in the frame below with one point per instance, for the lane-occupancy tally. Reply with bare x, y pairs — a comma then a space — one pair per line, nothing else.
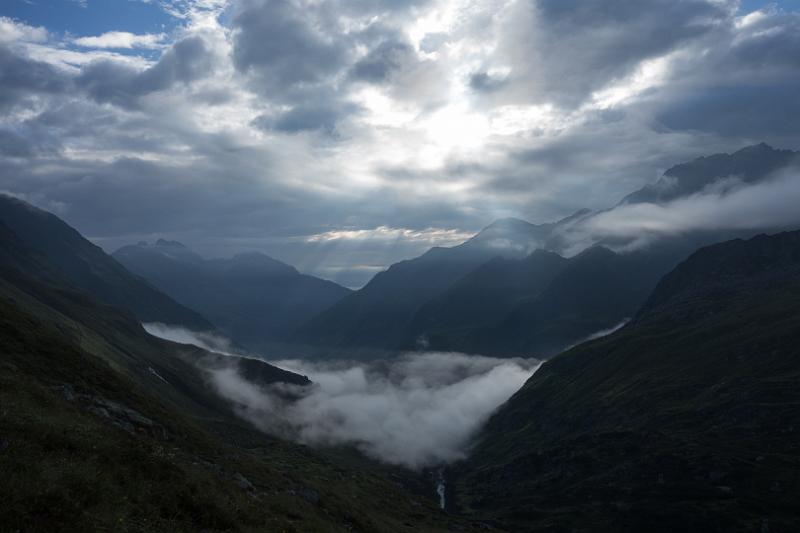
105, 428
90, 269
685, 420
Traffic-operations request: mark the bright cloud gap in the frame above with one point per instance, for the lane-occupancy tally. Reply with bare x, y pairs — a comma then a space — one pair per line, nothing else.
122, 39
437, 236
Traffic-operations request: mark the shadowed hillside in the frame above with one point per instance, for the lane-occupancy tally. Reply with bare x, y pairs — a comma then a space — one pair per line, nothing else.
682, 421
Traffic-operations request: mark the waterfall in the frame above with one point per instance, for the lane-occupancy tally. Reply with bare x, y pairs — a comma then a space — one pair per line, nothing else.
440, 487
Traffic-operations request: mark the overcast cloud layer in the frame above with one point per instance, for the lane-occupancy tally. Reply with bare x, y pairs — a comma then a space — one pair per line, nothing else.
344, 135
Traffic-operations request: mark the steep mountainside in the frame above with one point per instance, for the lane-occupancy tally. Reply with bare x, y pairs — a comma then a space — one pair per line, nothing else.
89, 269
251, 297
451, 299
541, 305
380, 314
684, 420
482, 297
750, 164
106, 428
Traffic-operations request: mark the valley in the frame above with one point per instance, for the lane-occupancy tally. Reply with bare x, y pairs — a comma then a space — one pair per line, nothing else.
506, 387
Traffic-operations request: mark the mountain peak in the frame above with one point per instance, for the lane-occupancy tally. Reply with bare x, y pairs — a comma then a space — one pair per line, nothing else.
169, 244
755, 148
750, 164
710, 277
508, 223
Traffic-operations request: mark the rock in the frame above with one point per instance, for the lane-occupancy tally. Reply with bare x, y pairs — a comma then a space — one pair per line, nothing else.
775, 487
68, 392
310, 495
243, 482
123, 417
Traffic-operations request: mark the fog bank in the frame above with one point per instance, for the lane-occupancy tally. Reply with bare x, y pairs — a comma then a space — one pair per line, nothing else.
417, 410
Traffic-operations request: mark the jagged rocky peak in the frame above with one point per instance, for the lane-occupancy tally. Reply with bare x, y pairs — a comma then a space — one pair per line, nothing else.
750, 164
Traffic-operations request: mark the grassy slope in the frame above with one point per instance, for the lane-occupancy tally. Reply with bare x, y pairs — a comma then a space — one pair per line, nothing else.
671, 425
87, 267
64, 465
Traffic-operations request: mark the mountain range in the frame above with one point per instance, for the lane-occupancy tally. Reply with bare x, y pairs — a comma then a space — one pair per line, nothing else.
104, 427
683, 420
513, 289
88, 268
250, 298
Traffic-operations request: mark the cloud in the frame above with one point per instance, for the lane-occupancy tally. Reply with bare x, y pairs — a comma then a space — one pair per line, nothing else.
430, 236
262, 124
417, 410
304, 118
122, 39
207, 341
23, 79
14, 31
109, 81
727, 205
280, 44
564, 51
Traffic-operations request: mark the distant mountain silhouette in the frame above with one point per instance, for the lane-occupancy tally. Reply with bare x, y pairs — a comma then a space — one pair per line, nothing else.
750, 164
379, 315
483, 297
90, 269
251, 297
593, 291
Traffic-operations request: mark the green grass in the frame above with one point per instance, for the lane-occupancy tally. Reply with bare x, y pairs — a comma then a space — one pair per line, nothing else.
672, 426
65, 468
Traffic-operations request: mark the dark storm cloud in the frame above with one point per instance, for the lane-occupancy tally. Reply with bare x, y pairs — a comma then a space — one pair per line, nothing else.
278, 43
22, 78
117, 83
754, 111
378, 65
747, 89
13, 145
563, 50
485, 83
304, 118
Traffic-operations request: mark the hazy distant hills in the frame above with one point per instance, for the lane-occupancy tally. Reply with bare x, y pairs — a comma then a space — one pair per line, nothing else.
251, 297
88, 268
684, 420
500, 294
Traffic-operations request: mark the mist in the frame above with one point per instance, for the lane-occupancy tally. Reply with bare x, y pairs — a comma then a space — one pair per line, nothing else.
417, 410
726, 205
207, 341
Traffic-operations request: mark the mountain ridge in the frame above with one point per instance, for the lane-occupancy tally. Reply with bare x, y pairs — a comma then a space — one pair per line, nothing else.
90, 269
676, 422
253, 298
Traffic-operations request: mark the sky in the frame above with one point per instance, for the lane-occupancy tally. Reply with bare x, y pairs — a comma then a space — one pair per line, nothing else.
344, 135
